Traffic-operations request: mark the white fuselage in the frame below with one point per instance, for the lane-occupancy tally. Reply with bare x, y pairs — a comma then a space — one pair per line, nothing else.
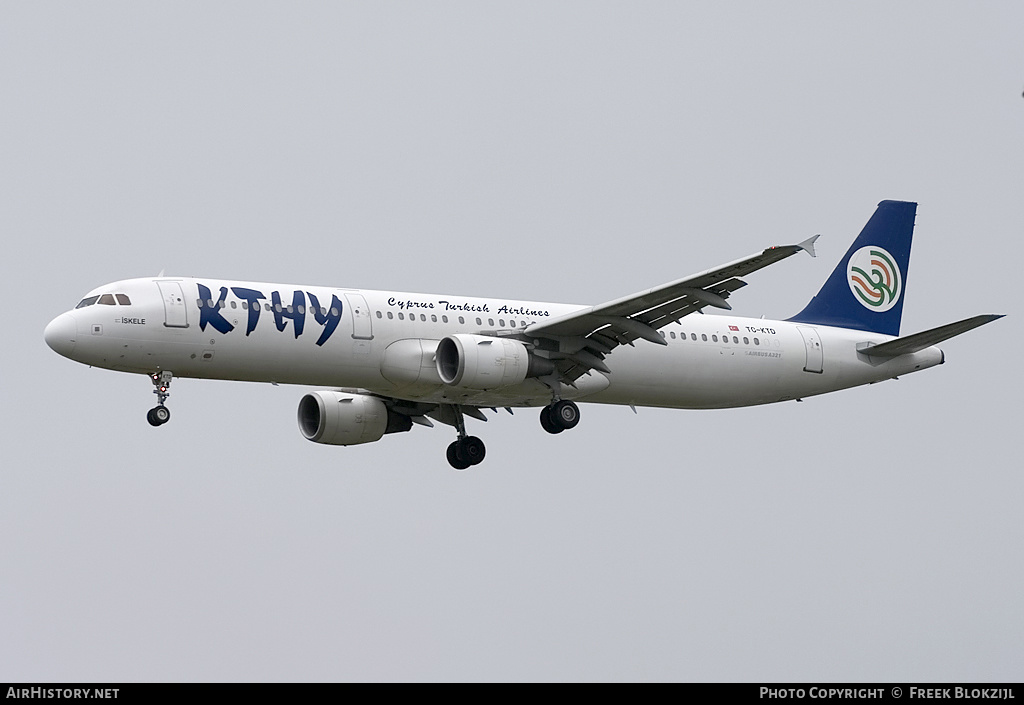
383, 342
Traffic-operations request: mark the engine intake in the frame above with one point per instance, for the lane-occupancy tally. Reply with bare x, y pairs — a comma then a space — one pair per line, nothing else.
341, 419
482, 362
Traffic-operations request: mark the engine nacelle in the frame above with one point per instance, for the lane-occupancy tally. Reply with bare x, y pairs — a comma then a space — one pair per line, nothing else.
482, 362
341, 419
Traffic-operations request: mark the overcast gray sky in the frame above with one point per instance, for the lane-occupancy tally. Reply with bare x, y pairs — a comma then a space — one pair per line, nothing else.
553, 151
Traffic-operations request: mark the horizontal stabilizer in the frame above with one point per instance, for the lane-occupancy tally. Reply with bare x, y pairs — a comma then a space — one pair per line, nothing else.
919, 341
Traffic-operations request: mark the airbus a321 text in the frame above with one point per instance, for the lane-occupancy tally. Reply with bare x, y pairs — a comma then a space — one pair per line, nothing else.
390, 360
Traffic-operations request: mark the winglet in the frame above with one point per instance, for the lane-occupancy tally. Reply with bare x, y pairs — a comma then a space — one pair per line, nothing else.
808, 245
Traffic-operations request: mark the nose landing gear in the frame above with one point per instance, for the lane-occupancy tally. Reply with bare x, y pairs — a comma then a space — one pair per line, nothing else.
160, 414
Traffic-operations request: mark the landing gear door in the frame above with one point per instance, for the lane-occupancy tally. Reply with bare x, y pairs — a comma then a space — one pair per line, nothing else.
362, 327
175, 313
812, 344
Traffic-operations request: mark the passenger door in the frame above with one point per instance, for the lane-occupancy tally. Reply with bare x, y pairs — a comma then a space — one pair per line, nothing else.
175, 312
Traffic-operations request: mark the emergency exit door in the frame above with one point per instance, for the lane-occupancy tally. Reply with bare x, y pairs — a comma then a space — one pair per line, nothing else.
362, 326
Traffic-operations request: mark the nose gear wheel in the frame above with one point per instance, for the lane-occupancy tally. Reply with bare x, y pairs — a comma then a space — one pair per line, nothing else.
158, 415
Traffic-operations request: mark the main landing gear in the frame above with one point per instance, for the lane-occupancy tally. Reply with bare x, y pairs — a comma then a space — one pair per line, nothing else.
467, 450
559, 416
556, 417
160, 414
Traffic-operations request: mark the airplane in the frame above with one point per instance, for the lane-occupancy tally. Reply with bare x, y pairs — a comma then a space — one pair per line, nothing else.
391, 360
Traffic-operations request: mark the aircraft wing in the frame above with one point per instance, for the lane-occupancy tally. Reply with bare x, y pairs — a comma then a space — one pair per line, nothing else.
586, 336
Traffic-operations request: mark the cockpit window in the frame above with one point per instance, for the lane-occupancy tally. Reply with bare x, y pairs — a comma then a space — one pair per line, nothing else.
106, 300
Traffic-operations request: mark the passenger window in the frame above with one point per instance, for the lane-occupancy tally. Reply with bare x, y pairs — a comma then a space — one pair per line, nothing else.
735, 340
693, 336
391, 316
501, 322
209, 303
746, 340
672, 335
490, 321
379, 314
433, 318
266, 307
302, 309
462, 320
444, 319
87, 302
423, 317
401, 316
234, 304
756, 341
123, 300
107, 300
479, 322
335, 312
714, 338
704, 337
277, 307
245, 305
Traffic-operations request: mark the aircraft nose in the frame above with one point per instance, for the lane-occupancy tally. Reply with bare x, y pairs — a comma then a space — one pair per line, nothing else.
60, 334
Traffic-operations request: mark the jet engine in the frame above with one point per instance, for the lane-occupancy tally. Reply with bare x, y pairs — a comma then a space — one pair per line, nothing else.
341, 419
482, 362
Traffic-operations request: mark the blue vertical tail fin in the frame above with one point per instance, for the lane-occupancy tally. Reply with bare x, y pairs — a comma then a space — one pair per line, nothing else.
865, 291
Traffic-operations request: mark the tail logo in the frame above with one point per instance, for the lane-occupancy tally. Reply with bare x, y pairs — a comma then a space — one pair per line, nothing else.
874, 278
